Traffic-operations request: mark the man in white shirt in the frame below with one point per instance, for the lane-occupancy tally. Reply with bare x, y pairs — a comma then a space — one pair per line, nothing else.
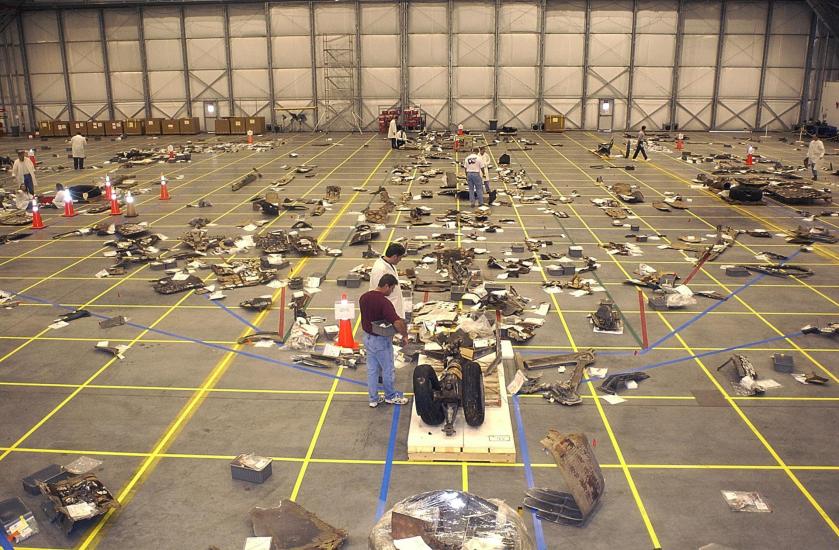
24, 173
386, 265
642, 144
392, 134
474, 167
401, 137
77, 144
815, 152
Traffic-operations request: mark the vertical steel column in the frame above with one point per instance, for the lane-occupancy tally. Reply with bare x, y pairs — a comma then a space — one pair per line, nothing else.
184, 52
62, 46
804, 111
822, 71
584, 98
403, 48
495, 50
450, 43
27, 81
677, 60
144, 65
228, 69
720, 40
270, 46
13, 95
540, 59
106, 65
767, 34
314, 56
7, 78
631, 63
359, 104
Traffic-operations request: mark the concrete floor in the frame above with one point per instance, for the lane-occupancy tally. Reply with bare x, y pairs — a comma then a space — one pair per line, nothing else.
167, 419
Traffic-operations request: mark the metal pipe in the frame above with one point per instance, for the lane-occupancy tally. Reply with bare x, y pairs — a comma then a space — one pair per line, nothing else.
766, 36
359, 103
584, 98
314, 57
27, 81
720, 40
540, 74
185, 57
631, 63
62, 46
450, 43
495, 50
228, 63
270, 46
804, 111
106, 66
677, 60
144, 65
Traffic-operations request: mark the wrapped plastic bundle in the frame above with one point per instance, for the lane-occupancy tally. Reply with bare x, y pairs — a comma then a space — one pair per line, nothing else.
452, 520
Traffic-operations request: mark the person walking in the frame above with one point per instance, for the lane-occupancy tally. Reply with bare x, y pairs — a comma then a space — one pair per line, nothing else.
77, 143
376, 308
24, 173
392, 133
815, 152
474, 167
386, 265
641, 146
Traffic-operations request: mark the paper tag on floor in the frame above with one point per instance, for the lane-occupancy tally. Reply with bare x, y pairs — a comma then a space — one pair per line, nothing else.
613, 399
180, 277
58, 324
597, 372
263, 344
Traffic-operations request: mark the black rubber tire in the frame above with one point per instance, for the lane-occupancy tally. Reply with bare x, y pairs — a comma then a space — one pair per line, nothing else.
425, 382
473, 394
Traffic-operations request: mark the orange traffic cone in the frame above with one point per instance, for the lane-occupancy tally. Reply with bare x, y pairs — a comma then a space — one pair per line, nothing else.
109, 192
164, 191
115, 211
344, 312
32, 157
37, 222
69, 211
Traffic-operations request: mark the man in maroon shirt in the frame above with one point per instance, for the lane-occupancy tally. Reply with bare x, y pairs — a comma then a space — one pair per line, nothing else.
377, 309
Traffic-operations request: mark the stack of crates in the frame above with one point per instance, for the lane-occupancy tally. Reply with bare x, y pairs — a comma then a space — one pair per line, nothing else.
384, 118
413, 119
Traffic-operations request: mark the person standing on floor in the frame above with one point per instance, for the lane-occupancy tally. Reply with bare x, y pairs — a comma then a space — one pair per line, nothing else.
642, 144
815, 152
376, 308
386, 265
392, 133
485, 172
24, 173
474, 167
77, 143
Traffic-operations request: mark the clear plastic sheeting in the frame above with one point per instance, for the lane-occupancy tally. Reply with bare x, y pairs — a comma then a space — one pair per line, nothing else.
452, 519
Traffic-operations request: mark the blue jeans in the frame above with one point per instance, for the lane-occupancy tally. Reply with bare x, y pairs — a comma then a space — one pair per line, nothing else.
28, 185
379, 361
476, 187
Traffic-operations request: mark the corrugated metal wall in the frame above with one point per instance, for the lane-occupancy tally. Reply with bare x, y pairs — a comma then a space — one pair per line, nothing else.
733, 64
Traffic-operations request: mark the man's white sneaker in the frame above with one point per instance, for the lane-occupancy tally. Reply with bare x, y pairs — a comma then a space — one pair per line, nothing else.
374, 404
401, 400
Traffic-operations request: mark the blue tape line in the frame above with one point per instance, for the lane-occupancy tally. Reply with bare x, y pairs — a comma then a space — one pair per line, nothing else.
203, 343
701, 355
712, 307
4, 542
236, 315
391, 448
528, 473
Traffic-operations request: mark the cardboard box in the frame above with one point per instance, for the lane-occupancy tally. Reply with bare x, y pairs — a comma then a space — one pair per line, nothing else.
60, 128
95, 128
171, 127
133, 127
113, 128
189, 126
45, 128
80, 127
554, 123
153, 126
238, 125
256, 124
222, 126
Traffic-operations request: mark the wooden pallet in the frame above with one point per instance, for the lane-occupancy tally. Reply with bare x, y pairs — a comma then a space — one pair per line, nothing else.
491, 442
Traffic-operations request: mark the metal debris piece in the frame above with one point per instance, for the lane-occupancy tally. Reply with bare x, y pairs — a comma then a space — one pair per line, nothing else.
780, 270
810, 235
830, 329
168, 285
744, 375
116, 351
73, 315
259, 303
249, 178
615, 382
586, 357
112, 322
607, 318
242, 272
259, 336
75, 499
292, 527
363, 233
